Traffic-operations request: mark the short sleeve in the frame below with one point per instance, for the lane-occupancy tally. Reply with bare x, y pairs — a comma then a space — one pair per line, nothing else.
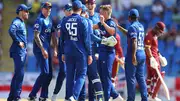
132, 32
148, 41
59, 25
99, 24
112, 24
38, 25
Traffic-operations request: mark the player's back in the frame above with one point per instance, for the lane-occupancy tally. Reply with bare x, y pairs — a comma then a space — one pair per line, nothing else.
73, 31
136, 30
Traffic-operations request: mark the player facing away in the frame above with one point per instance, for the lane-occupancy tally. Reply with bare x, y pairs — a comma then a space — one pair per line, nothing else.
119, 59
62, 67
135, 57
107, 53
43, 33
18, 52
153, 57
76, 51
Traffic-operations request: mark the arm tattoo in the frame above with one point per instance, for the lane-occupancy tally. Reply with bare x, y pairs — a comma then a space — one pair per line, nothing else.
37, 39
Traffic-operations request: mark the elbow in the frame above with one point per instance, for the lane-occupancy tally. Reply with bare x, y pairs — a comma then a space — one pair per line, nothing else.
112, 32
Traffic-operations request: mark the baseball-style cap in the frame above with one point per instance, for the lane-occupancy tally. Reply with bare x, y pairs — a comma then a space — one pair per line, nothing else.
91, 1
46, 5
77, 4
22, 7
68, 7
161, 26
84, 8
134, 13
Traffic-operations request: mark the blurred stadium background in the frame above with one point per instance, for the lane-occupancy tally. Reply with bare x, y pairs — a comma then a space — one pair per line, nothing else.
151, 11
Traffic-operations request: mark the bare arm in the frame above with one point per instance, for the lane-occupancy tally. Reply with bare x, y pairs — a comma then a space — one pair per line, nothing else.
123, 30
148, 51
38, 40
110, 30
134, 47
54, 41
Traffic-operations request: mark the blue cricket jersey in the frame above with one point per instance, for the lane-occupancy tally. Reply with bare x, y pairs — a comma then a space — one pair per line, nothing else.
59, 42
94, 38
95, 20
18, 34
136, 30
45, 27
75, 38
104, 33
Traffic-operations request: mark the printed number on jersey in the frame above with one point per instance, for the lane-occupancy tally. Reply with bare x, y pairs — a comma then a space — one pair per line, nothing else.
72, 29
140, 41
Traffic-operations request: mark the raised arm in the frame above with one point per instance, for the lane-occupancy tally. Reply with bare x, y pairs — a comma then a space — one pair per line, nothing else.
123, 30
109, 29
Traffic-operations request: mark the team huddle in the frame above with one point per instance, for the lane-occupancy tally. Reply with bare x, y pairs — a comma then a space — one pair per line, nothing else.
87, 43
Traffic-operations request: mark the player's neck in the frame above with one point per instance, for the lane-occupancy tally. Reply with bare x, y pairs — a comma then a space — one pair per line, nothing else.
91, 13
21, 18
107, 18
78, 12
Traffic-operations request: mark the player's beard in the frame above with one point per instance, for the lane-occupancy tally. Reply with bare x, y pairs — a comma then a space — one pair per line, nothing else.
25, 16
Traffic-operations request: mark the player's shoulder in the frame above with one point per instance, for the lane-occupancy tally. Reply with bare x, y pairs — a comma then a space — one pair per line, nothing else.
132, 27
111, 22
149, 34
96, 14
40, 17
17, 21
89, 20
83, 20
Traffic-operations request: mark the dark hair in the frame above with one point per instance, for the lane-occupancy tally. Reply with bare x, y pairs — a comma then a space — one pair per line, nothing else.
75, 8
133, 17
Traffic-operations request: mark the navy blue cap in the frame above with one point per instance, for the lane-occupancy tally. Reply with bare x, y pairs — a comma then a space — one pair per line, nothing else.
46, 5
77, 4
68, 7
22, 7
134, 13
84, 8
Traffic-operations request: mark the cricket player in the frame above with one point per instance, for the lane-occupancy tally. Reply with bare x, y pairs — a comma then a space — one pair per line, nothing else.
18, 50
135, 57
153, 58
92, 72
107, 53
119, 59
62, 67
76, 50
94, 17
43, 33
